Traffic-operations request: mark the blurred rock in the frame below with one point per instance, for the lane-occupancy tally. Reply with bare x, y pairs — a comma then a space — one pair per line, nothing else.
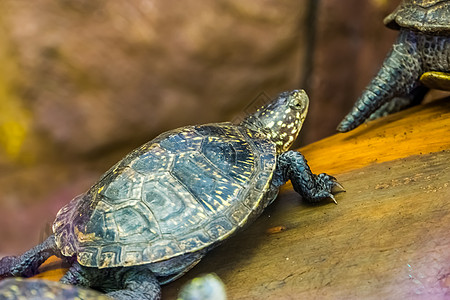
351, 44
99, 73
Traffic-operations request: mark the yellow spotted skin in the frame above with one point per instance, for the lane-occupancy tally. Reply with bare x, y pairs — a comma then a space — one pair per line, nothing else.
182, 193
39, 289
281, 122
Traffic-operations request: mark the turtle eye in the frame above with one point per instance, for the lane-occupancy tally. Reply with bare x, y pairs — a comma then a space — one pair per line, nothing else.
296, 104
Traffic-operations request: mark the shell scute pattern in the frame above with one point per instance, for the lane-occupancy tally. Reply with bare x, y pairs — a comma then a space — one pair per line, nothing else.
203, 180
133, 223
261, 181
208, 130
175, 208
96, 228
222, 155
239, 214
197, 240
162, 248
154, 161
109, 255
179, 193
124, 185
218, 228
185, 140
88, 257
428, 16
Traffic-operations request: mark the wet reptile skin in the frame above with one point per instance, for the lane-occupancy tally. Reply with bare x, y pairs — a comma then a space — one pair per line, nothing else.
423, 45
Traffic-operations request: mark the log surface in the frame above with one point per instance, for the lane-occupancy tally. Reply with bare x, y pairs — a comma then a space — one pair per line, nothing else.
388, 237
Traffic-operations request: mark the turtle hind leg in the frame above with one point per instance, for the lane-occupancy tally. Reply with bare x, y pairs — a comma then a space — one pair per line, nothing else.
121, 283
398, 76
399, 103
137, 283
28, 263
313, 188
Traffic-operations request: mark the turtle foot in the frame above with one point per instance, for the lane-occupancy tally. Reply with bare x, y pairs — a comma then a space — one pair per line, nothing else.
325, 187
313, 188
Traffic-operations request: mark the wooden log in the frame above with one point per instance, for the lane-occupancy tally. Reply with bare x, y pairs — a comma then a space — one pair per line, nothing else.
388, 237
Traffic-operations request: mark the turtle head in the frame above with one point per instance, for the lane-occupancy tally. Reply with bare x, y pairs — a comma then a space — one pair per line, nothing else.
282, 119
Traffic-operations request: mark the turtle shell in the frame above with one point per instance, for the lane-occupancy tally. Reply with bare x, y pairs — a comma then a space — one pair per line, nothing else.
26, 289
179, 193
428, 16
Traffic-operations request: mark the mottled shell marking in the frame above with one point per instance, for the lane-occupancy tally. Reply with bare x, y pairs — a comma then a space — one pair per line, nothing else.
182, 192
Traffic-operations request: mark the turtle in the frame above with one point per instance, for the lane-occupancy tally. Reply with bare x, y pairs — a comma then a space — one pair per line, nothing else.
153, 216
418, 60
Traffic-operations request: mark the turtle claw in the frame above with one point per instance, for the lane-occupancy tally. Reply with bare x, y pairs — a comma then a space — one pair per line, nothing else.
328, 187
332, 198
337, 188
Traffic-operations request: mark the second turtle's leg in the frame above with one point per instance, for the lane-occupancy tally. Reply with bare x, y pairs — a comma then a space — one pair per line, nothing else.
313, 188
398, 76
28, 263
399, 103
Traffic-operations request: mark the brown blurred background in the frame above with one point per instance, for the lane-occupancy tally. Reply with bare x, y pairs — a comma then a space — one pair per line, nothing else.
83, 82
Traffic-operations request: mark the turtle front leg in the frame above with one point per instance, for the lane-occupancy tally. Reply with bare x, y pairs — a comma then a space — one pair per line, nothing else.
313, 188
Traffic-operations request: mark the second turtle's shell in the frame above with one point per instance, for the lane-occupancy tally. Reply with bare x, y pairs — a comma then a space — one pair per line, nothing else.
428, 16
